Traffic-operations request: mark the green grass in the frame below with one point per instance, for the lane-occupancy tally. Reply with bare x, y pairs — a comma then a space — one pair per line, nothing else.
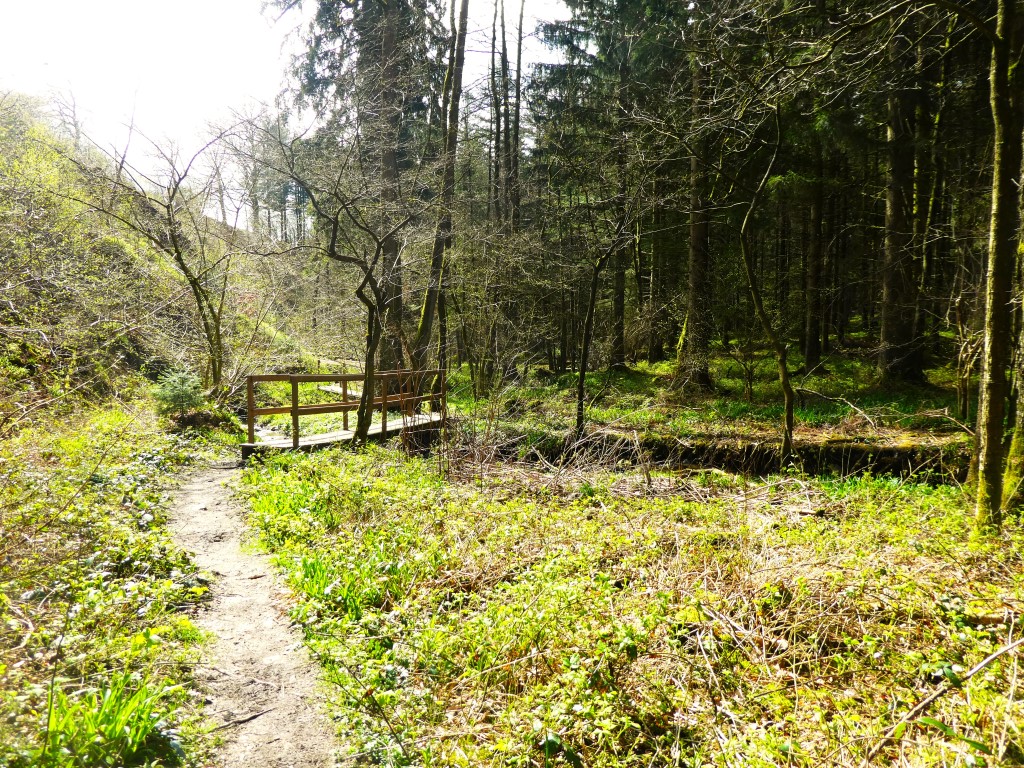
643, 400
94, 638
507, 617
122, 722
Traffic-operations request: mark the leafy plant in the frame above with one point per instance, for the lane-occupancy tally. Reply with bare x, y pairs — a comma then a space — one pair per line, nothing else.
121, 724
93, 645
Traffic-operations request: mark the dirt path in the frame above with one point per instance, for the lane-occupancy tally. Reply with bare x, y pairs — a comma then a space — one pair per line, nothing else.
258, 677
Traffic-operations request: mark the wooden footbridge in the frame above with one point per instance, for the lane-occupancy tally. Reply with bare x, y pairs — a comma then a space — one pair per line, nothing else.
396, 395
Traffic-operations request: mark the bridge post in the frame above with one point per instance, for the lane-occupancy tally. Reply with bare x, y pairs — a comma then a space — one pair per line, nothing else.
250, 408
344, 397
295, 412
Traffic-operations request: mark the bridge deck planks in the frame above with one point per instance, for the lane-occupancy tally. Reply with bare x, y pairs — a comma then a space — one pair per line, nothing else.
396, 425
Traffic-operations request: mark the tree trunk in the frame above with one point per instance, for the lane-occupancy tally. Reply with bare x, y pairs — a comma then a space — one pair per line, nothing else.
588, 333
899, 357
364, 416
516, 193
617, 357
498, 188
815, 263
443, 232
620, 260
392, 311
657, 290
777, 345
694, 344
1006, 82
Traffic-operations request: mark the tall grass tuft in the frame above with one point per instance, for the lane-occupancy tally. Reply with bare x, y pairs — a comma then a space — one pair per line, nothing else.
124, 723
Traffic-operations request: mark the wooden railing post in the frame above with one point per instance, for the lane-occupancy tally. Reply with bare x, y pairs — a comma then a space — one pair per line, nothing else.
295, 412
384, 406
344, 397
250, 408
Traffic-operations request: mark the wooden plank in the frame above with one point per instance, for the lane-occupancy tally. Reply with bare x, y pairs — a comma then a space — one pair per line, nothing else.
311, 410
307, 378
351, 405
320, 408
273, 411
323, 378
336, 407
345, 435
407, 405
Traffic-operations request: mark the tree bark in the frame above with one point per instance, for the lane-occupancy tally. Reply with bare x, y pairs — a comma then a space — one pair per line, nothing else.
443, 231
1006, 83
588, 334
694, 343
392, 311
899, 356
515, 191
774, 339
815, 264
620, 260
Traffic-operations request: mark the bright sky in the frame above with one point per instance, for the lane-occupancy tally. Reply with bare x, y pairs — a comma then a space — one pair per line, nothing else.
171, 67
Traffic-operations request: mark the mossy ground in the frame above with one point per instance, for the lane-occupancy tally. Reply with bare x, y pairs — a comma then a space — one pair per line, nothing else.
646, 397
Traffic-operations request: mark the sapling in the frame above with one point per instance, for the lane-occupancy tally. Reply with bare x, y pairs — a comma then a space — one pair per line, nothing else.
178, 393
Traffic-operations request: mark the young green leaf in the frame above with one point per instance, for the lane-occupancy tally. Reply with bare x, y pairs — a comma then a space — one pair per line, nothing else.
938, 724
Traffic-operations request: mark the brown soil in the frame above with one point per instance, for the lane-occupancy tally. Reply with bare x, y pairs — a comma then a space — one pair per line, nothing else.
260, 684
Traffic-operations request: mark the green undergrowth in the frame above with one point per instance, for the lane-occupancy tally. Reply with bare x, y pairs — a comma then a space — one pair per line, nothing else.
843, 400
506, 617
95, 639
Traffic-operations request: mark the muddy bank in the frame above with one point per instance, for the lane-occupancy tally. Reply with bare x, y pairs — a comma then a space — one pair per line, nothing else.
934, 460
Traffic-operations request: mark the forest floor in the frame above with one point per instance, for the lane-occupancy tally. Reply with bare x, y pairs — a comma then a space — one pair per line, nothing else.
508, 614
498, 603
258, 678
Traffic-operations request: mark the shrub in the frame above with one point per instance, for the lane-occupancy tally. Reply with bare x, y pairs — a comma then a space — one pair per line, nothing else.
179, 393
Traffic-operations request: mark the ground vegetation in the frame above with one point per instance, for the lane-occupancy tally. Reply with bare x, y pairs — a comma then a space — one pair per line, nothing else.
726, 298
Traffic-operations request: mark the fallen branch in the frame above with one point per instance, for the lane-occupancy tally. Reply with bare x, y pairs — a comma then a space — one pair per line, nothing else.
944, 414
802, 391
919, 708
241, 720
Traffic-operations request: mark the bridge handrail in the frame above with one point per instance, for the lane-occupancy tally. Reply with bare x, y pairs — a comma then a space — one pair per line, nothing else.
406, 401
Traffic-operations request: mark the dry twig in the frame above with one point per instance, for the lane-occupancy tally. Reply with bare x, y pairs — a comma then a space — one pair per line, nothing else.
922, 706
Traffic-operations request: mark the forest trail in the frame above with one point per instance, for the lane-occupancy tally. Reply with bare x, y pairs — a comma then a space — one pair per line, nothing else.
260, 683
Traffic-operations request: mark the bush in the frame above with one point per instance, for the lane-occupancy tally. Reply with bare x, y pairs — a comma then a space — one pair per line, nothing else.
178, 393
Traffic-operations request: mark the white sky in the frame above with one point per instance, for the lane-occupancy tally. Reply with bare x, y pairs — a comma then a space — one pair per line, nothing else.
172, 67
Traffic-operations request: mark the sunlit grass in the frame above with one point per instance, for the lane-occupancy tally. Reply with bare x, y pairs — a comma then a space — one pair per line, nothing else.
507, 616
93, 647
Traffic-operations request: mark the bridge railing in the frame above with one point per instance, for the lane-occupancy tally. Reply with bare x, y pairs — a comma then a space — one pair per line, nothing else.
394, 391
